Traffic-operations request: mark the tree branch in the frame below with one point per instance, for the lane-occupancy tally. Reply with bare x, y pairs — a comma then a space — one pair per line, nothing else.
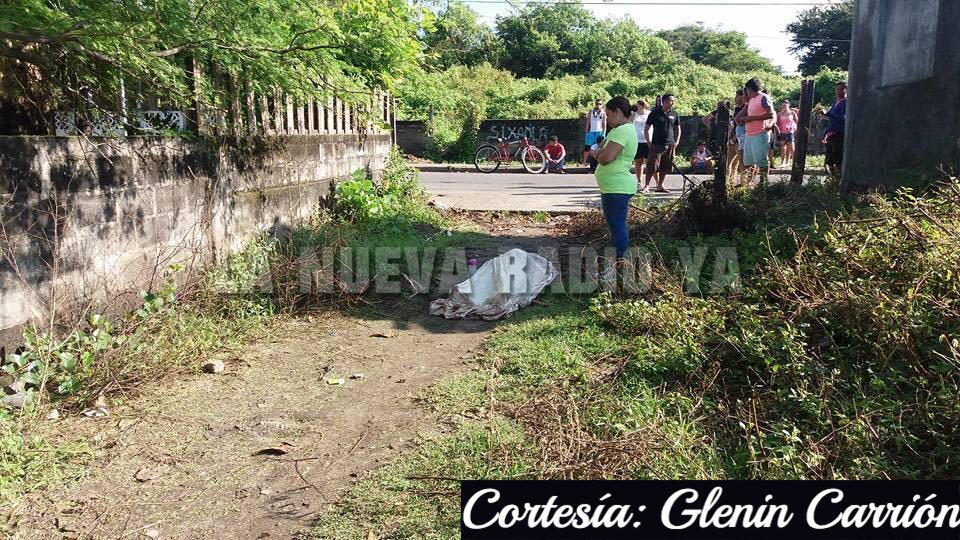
36, 38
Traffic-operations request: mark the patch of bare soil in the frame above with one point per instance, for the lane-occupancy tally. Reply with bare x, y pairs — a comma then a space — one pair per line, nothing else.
259, 450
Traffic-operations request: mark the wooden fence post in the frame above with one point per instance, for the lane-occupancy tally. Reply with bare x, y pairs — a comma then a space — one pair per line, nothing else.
251, 103
290, 127
195, 114
265, 115
803, 131
311, 127
392, 114
720, 166
236, 116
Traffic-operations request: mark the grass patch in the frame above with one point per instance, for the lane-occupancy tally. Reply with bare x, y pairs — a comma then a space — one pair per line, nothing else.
29, 462
412, 497
463, 393
839, 359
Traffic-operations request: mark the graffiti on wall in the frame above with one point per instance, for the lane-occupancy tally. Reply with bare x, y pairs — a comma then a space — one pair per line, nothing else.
507, 132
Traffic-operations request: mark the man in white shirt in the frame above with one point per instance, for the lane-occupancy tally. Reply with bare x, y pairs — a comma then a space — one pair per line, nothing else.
639, 119
595, 125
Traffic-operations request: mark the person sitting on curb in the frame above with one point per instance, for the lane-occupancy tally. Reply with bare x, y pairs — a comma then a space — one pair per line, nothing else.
702, 159
555, 155
593, 152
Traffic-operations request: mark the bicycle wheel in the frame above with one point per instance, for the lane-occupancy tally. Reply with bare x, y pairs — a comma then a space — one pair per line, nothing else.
533, 160
487, 158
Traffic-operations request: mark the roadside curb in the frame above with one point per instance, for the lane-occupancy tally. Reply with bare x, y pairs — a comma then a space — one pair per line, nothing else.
466, 168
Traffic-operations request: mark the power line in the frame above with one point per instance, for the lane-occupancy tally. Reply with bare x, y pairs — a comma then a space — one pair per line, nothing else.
799, 39
642, 3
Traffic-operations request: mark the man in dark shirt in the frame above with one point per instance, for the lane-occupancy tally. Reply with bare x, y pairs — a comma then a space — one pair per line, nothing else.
664, 124
836, 126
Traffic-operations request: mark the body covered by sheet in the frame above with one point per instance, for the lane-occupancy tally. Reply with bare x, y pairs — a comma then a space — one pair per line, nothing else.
498, 288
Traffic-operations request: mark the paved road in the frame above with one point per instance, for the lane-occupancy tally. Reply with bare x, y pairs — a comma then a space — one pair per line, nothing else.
573, 192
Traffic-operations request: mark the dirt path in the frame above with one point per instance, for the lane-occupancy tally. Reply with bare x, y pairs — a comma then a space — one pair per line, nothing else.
259, 450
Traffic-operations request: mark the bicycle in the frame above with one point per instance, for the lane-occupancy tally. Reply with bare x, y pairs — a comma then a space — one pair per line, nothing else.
488, 157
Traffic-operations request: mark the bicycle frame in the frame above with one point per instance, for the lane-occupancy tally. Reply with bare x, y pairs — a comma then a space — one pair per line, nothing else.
504, 149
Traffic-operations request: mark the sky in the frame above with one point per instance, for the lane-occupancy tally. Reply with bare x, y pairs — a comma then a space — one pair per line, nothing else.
764, 23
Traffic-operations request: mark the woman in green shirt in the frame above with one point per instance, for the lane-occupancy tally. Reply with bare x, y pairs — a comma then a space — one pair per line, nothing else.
616, 183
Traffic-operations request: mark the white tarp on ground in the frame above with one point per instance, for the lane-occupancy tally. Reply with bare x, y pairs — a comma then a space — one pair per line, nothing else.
498, 288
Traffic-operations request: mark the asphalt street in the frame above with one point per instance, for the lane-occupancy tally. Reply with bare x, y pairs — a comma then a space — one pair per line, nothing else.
572, 192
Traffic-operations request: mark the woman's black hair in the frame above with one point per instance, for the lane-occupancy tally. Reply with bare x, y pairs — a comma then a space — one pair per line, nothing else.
620, 103
754, 84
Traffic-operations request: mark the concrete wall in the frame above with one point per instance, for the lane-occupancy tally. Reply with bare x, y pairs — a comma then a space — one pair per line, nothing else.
412, 137
538, 132
903, 113
97, 220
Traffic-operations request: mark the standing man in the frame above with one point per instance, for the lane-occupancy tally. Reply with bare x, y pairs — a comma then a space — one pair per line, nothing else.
662, 134
757, 121
595, 125
836, 127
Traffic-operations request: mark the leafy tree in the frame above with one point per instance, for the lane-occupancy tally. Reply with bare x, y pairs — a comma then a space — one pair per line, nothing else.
728, 51
566, 39
619, 44
459, 38
825, 85
821, 37
545, 40
83, 52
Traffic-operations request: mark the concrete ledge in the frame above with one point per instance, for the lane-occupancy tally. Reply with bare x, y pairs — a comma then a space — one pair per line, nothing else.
470, 168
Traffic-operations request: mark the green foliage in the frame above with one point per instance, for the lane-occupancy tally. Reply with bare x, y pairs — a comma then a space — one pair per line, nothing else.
29, 462
80, 52
821, 36
459, 38
825, 82
65, 364
74, 366
565, 38
838, 360
357, 199
727, 51
360, 199
671, 327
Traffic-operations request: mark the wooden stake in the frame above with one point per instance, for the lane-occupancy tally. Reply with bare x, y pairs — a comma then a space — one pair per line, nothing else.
803, 131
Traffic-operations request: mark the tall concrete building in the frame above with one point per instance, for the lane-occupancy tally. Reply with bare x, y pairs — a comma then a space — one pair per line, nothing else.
903, 113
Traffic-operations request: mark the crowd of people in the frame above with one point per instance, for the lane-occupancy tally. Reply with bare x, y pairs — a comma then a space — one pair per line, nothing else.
620, 136
768, 133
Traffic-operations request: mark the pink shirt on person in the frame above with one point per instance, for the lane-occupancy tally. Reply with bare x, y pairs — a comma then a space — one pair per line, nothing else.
787, 122
757, 106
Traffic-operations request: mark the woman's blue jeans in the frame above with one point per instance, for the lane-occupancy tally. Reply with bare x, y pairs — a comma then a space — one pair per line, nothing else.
615, 206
